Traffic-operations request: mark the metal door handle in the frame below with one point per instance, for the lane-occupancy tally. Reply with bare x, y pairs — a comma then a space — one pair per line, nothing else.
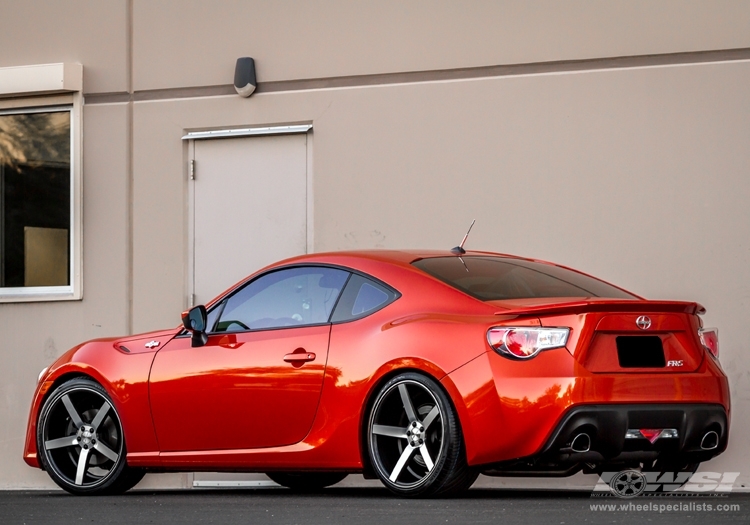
299, 357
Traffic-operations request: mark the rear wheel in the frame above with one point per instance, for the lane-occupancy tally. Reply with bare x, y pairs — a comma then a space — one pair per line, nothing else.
414, 439
302, 481
80, 441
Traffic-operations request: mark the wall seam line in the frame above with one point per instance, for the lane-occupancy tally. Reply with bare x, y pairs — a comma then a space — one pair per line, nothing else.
413, 77
129, 182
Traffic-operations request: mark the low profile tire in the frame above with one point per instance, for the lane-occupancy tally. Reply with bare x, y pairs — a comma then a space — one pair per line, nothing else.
306, 481
80, 441
414, 439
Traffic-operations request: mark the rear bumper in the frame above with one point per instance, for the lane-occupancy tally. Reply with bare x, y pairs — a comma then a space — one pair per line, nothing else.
511, 411
607, 425
702, 433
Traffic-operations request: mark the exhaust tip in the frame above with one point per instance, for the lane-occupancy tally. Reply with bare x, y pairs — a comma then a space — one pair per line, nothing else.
582, 443
710, 440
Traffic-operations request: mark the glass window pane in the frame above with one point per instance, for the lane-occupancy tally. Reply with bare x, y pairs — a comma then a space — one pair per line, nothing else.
496, 278
368, 299
35, 192
362, 297
292, 297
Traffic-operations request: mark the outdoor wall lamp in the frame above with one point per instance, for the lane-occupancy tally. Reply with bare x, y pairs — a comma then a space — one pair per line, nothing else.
244, 76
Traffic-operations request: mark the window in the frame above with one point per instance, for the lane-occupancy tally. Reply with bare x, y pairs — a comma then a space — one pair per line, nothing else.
39, 242
283, 298
368, 298
362, 297
498, 278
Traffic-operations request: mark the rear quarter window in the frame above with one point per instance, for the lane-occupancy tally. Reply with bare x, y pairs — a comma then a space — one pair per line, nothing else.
362, 297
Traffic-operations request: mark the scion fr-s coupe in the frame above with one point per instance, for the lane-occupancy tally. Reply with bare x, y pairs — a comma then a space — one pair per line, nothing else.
422, 369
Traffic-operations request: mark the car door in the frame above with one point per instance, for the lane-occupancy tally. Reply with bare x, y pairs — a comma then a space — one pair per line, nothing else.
257, 381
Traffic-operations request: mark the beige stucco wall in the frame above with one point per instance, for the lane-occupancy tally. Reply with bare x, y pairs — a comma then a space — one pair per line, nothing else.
179, 43
636, 175
90, 32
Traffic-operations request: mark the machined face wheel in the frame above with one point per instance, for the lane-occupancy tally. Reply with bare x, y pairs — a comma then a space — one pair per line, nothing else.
406, 434
80, 438
414, 439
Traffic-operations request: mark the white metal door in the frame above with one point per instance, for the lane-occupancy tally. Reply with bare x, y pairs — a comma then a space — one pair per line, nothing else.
248, 208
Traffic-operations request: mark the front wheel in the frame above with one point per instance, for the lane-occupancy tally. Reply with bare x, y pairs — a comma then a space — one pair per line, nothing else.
80, 441
414, 439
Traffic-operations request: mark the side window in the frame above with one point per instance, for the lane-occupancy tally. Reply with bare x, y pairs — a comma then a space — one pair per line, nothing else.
291, 297
213, 315
362, 297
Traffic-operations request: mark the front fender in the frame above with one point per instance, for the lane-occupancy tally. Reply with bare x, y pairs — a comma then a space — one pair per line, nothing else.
125, 378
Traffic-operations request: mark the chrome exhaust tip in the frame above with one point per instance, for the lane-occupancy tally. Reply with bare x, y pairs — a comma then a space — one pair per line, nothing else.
581, 443
710, 440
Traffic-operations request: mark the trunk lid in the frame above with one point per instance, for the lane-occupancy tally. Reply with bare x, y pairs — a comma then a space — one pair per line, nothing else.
622, 336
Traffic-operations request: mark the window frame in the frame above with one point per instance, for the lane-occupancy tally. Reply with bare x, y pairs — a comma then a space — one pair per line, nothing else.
72, 103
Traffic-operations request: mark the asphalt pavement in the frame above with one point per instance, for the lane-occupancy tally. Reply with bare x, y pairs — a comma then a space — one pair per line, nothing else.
361, 506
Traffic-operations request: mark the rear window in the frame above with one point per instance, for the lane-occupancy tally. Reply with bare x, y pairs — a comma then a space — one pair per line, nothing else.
497, 278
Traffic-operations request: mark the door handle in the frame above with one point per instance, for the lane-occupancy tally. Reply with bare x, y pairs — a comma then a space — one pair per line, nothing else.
299, 357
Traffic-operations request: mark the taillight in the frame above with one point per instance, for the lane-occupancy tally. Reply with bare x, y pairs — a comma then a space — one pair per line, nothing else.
710, 339
526, 342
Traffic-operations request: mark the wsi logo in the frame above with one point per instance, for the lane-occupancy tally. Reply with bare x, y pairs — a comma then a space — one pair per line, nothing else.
674, 363
632, 483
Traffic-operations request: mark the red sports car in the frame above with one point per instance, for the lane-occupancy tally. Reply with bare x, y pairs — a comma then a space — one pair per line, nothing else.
420, 368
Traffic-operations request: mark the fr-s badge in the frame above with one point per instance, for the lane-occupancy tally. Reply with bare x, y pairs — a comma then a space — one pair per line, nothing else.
674, 363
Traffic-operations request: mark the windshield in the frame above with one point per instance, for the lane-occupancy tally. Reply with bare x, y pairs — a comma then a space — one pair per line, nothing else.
499, 278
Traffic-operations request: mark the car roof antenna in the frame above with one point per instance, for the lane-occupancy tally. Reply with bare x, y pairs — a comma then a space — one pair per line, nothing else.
459, 250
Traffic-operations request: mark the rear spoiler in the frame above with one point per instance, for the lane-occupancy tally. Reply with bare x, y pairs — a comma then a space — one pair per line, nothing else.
614, 305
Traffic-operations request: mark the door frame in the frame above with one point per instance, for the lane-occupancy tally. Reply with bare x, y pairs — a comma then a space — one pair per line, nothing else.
189, 169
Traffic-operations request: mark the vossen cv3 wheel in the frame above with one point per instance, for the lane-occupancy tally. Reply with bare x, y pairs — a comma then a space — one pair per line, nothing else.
80, 441
414, 439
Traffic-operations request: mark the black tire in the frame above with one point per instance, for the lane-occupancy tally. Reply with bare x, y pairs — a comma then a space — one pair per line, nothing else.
414, 439
80, 442
306, 481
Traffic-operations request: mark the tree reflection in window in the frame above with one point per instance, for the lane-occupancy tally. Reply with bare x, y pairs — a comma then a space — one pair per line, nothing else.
35, 198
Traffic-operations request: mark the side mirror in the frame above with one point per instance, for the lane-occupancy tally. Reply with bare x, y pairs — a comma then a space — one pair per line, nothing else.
194, 320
